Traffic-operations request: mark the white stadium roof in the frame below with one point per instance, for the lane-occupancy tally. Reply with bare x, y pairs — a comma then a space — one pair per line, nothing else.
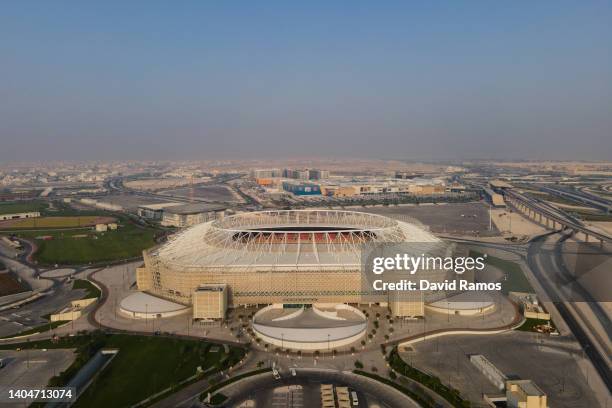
287, 238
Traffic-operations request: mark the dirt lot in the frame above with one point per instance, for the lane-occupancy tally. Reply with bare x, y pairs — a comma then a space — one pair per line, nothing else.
514, 223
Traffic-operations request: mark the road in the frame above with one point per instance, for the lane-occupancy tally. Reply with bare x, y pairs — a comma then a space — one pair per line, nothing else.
542, 263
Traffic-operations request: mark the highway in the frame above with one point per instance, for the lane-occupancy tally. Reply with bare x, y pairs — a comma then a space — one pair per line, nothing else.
542, 263
562, 218
581, 197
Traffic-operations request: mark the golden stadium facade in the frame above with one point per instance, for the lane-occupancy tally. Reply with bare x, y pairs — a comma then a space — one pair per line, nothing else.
272, 257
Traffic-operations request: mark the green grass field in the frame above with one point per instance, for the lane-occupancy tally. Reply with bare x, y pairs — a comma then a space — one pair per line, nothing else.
19, 207
83, 246
92, 291
147, 365
515, 280
126, 242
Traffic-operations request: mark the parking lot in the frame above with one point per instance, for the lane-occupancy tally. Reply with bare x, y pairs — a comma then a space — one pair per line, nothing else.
31, 368
444, 218
514, 353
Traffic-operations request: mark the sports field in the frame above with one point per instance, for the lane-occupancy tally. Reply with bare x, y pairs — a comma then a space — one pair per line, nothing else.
55, 222
78, 247
81, 245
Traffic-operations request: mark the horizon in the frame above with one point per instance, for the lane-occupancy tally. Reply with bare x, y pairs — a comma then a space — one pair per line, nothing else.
395, 81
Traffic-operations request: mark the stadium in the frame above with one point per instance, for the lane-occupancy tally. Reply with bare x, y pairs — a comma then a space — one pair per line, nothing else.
289, 257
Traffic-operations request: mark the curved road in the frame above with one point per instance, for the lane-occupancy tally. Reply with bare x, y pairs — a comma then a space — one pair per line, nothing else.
540, 262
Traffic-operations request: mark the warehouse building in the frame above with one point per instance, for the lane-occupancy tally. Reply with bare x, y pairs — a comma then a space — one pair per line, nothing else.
191, 214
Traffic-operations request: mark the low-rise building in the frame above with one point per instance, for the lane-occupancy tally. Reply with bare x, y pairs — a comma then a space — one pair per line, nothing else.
524, 394
73, 311
17, 216
298, 188
531, 307
154, 211
191, 214
101, 227
497, 200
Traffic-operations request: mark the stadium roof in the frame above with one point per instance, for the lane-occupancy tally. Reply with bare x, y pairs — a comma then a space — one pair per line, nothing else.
288, 238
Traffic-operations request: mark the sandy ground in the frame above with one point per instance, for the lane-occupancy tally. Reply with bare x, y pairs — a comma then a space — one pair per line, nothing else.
514, 223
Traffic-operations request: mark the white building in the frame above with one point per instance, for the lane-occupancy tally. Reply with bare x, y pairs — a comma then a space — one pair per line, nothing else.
17, 216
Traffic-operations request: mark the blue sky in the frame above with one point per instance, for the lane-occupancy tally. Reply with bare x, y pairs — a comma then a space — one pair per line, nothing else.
202, 80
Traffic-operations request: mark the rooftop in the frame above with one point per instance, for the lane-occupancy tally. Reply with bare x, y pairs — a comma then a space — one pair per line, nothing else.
159, 206
141, 302
528, 387
187, 209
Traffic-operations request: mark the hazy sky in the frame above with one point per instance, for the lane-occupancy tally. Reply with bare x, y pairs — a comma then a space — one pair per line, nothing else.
224, 79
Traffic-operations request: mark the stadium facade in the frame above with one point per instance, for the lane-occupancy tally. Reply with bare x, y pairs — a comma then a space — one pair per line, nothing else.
288, 257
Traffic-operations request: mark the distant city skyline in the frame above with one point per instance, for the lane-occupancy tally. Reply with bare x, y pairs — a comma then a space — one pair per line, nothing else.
217, 80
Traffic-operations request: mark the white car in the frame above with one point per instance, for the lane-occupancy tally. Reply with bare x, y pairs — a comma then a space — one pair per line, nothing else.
293, 372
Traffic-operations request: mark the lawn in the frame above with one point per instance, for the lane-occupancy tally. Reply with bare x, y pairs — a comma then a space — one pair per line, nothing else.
515, 280
92, 291
78, 246
145, 365
19, 207
22, 206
